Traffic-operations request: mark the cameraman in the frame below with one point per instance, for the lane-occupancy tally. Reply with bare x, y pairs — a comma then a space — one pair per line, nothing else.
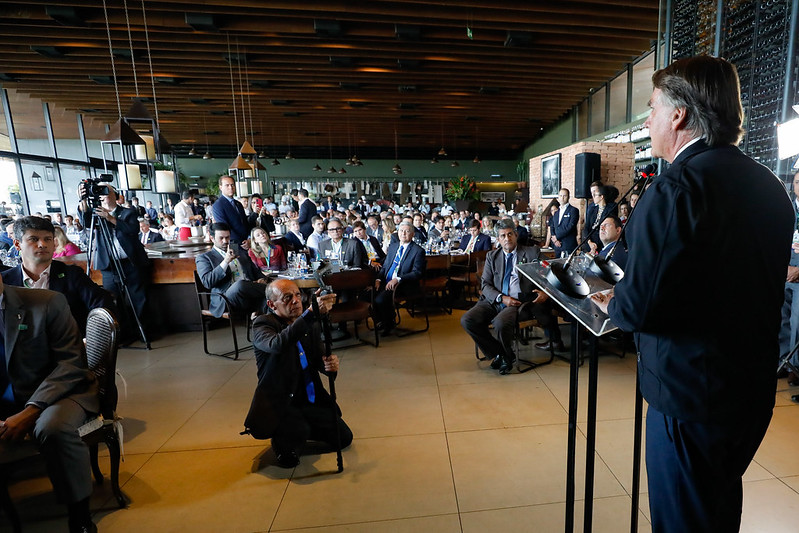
290, 404
124, 230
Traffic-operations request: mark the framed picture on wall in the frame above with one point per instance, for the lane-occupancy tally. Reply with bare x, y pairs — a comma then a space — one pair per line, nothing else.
37, 182
492, 196
48, 174
550, 176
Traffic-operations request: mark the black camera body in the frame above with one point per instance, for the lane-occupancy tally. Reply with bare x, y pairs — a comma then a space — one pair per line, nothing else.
94, 188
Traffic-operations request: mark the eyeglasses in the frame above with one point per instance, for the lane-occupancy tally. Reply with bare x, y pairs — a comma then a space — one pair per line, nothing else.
334, 229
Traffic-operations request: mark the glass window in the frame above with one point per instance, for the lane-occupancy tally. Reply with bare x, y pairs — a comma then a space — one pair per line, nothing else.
41, 189
10, 199
28, 117
65, 131
94, 130
71, 176
598, 112
642, 86
582, 120
618, 100
5, 141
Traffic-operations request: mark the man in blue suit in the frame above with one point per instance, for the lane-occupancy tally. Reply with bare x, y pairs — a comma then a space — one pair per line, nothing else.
564, 225
609, 232
233, 274
476, 242
401, 272
710, 390
146, 235
306, 213
34, 240
228, 210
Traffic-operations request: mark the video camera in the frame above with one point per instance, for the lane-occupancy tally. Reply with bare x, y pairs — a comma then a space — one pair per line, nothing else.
94, 188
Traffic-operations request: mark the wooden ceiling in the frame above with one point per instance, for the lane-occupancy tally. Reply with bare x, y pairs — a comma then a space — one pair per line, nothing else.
480, 78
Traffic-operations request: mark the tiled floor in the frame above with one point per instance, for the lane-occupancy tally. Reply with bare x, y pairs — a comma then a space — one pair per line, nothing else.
442, 443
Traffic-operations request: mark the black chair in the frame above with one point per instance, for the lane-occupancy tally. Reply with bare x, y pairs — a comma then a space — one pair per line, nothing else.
208, 319
435, 283
408, 300
354, 310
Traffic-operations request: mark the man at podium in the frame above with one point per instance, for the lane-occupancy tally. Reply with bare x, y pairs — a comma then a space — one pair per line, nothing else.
709, 387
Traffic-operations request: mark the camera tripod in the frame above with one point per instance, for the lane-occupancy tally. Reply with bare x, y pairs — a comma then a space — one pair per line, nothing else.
105, 234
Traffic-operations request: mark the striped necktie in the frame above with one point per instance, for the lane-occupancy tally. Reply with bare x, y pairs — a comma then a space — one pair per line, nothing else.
395, 264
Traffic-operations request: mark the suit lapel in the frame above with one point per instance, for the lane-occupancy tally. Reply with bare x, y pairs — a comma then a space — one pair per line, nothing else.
14, 317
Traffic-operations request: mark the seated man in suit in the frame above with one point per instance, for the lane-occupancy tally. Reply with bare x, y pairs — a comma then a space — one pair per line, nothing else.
349, 251
34, 241
290, 403
563, 225
503, 293
609, 232
374, 251
146, 235
227, 269
402, 270
47, 391
295, 240
477, 241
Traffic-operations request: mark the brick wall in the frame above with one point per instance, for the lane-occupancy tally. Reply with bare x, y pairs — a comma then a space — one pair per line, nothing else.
617, 169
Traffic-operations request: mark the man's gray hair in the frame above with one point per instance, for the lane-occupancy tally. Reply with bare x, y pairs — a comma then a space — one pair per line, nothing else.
407, 225
506, 223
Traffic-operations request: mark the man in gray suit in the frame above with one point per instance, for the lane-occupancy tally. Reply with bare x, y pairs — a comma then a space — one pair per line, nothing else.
349, 251
503, 293
48, 392
226, 270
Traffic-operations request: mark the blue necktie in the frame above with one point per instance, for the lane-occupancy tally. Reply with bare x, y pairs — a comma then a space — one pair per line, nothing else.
508, 272
395, 264
309, 388
5, 382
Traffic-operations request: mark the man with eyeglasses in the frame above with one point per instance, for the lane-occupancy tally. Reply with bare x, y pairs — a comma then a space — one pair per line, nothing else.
350, 252
290, 404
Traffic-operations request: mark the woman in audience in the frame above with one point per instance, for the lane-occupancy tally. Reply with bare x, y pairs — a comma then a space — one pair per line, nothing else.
169, 231
550, 211
264, 254
448, 222
605, 198
479, 218
63, 246
389, 230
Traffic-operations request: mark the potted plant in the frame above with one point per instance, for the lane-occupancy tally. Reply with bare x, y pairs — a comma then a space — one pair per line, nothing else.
462, 191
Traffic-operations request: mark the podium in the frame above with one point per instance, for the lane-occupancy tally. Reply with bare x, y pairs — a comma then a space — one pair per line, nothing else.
585, 313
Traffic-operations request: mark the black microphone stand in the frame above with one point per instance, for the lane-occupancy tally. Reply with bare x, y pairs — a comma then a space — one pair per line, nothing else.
331, 376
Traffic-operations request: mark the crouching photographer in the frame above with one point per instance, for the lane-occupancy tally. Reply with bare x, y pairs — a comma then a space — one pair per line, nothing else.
290, 404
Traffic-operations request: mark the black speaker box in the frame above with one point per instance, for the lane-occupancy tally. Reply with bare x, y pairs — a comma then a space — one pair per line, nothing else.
586, 171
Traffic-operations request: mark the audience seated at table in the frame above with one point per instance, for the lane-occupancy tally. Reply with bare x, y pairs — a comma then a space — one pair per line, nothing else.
374, 250
476, 241
349, 251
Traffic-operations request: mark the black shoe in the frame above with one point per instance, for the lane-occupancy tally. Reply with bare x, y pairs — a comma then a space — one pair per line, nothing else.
85, 528
559, 347
496, 362
287, 460
506, 368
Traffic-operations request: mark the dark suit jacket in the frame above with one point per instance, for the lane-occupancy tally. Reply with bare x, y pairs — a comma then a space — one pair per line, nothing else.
566, 228
234, 216
126, 230
218, 280
44, 351
378, 233
685, 279
494, 271
483, 242
619, 256
377, 245
307, 212
152, 236
352, 249
279, 372
590, 219
411, 268
265, 221
81, 292
294, 241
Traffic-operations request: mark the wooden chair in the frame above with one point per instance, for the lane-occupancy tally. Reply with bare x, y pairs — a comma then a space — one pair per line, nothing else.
208, 319
436, 280
354, 310
467, 273
102, 331
409, 301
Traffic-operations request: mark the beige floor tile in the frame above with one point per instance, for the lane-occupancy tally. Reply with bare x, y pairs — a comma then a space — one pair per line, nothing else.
515, 400
383, 479
242, 384
792, 482
185, 382
501, 468
464, 368
615, 391
610, 515
365, 371
778, 451
148, 425
440, 524
216, 424
211, 490
614, 444
769, 506
392, 412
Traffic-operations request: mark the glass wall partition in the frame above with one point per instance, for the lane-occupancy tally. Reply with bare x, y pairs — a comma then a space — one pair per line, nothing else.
598, 111
27, 114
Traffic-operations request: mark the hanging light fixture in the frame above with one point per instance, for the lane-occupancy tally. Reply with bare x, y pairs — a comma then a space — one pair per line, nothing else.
193, 151
275, 162
442, 152
207, 154
342, 171
288, 138
396, 168
455, 164
476, 144
316, 168
434, 161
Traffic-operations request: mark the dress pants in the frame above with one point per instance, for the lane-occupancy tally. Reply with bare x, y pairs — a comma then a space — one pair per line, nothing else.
789, 332
247, 296
695, 471
64, 452
477, 319
309, 422
135, 279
